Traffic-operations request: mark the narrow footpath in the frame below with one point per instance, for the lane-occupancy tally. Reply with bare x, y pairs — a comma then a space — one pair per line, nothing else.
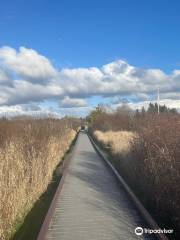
92, 204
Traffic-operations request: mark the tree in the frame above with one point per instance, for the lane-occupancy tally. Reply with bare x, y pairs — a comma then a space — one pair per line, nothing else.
99, 110
143, 111
124, 109
153, 108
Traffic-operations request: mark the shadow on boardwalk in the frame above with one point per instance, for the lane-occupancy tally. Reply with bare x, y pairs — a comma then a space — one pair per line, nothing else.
109, 195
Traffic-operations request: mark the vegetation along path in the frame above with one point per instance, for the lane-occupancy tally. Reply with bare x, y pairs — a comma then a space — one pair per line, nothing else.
92, 204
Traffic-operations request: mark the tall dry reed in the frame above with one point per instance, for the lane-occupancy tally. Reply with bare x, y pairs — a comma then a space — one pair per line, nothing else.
150, 162
118, 142
29, 152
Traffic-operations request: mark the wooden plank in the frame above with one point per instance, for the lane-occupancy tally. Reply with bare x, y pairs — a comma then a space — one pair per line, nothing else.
93, 205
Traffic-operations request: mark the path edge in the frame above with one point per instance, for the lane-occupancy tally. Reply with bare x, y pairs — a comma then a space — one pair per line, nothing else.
143, 211
47, 221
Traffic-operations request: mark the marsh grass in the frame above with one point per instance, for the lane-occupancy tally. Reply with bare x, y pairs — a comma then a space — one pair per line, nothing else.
30, 150
118, 142
148, 158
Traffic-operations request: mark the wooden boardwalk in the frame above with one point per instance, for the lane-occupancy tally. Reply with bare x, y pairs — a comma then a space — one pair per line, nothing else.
92, 204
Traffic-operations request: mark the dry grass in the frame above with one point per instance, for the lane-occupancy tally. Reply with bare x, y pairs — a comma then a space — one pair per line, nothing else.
149, 161
156, 157
119, 142
29, 152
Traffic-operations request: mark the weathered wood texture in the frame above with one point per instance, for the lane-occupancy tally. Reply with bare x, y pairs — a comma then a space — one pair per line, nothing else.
92, 204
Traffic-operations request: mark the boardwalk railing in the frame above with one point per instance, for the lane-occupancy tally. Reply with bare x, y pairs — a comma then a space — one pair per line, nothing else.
91, 200
145, 214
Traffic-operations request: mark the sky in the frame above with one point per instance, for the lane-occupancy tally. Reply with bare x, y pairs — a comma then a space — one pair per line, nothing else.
67, 56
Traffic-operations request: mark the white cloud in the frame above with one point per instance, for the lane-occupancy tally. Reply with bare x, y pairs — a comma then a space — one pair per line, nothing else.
28, 77
28, 64
117, 67
78, 111
168, 102
27, 110
115, 78
68, 102
5, 78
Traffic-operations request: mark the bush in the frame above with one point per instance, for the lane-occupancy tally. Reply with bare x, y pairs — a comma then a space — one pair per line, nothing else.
101, 119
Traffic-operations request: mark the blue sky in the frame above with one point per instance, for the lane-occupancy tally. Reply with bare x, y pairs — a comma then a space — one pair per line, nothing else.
92, 33
82, 34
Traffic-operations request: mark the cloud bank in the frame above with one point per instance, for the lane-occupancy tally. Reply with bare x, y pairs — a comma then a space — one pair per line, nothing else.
68, 102
27, 77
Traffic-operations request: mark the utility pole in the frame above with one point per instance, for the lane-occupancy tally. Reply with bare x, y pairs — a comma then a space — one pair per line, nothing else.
158, 99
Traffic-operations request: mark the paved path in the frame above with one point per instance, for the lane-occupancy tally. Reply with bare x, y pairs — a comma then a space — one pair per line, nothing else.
92, 203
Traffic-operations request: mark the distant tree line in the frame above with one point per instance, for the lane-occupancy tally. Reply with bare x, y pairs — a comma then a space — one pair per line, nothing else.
123, 117
124, 109
153, 108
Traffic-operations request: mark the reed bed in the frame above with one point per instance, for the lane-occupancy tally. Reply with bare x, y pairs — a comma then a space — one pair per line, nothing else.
148, 159
30, 150
118, 142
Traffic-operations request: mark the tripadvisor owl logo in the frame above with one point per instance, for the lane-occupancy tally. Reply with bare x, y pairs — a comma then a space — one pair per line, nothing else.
138, 231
